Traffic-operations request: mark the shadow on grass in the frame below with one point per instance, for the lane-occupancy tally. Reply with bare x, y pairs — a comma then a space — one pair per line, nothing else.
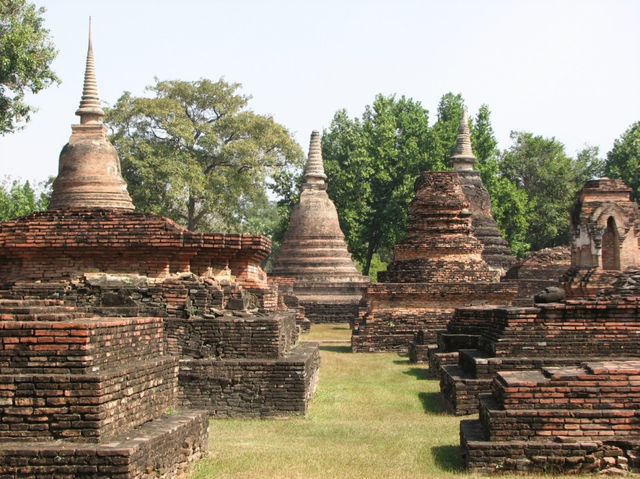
418, 373
432, 402
447, 458
336, 349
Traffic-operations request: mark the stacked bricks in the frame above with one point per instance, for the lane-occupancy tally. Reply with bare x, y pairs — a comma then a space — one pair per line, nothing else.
54, 246
72, 387
495, 249
547, 335
437, 268
252, 388
83, 380
587, 416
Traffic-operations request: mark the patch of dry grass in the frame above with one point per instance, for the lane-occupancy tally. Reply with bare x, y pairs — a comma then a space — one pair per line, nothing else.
373, 416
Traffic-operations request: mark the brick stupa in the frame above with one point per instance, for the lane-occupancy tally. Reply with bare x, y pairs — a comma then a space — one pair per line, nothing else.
437, 268
495, 248
314, 253
109, 318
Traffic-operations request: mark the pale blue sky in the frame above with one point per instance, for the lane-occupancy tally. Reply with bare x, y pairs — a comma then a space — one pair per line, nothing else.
563, 68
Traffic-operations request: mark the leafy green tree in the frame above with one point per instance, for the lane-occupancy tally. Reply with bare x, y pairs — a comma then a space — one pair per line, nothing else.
371, 166
510, 205
26, 53
445, 130
550, 178
194, 152
19, 199
483, 139
623, 161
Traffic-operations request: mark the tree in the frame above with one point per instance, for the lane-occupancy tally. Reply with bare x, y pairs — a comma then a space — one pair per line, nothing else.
194, 152
371, 166
541, 168
445, 129
509, 204
19, 199
623, 161
26, 53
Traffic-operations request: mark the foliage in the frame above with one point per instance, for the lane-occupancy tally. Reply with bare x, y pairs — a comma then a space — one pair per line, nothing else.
623, 161
26, 53
550, 179
19, 199
194, 152
373, 416
371, 166
445, 130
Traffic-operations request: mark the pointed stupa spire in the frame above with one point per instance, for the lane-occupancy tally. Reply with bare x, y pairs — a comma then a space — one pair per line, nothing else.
89, 174
90, 110
463, 158
315, 167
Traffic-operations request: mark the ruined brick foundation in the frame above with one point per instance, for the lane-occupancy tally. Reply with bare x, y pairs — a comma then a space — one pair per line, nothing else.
559, 420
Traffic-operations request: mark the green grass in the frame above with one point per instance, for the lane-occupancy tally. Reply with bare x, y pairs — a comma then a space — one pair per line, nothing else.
328, 332
373, 416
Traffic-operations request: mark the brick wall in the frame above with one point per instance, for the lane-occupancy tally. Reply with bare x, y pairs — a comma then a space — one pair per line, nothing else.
251, 388
229, 337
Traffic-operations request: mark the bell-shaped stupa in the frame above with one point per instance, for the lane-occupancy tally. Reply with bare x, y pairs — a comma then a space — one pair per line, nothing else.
314, 251
89, 173
496, 249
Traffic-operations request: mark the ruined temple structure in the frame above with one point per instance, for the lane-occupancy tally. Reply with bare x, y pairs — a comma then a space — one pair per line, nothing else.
121, 332
537, 271
314, 253
605, 230
495, 249
557, 383
437, 268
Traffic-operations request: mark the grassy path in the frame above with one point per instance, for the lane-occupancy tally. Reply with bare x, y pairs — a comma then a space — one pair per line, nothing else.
373, 416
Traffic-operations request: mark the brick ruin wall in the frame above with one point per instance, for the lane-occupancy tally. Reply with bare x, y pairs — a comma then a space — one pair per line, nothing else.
251, 388
58, 380
401, 310
594, 406
151, 453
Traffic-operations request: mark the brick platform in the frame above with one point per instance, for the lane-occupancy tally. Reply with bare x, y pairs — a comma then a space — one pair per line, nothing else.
563, 419
551, 334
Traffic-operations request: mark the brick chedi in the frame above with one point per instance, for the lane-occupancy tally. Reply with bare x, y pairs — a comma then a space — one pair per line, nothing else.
495, 248
109, 318
314, 253
605, 231
437, 268
89, 167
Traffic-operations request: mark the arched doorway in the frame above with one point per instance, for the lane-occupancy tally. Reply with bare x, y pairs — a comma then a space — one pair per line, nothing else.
611, 246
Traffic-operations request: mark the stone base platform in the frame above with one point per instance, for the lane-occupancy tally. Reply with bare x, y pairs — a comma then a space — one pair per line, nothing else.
162, 448
462, 383
480, 456
251, 388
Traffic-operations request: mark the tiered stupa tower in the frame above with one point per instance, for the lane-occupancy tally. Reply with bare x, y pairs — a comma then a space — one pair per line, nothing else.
89, 173
439, 266
314, 251
495, 248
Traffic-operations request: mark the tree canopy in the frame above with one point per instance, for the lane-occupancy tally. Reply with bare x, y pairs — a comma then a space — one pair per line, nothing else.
19, 199
372, 164
194, 152
26, 53
623, 161
550, 179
